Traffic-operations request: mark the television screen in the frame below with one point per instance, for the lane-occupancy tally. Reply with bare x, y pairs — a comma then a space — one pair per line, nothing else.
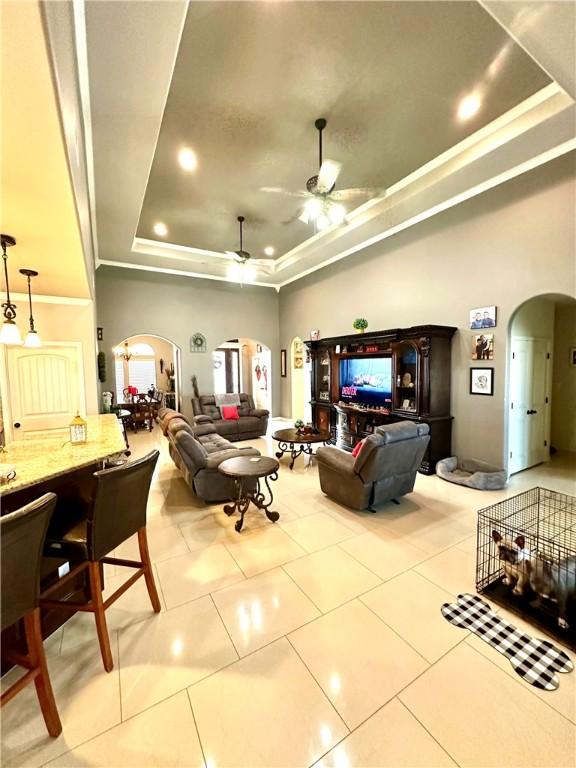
366, 380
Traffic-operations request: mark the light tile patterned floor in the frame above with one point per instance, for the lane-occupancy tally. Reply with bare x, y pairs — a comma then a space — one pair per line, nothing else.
316, 641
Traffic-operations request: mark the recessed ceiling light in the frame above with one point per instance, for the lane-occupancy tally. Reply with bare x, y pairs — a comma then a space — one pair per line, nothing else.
187, 159
160, 229
469, 106
269, 250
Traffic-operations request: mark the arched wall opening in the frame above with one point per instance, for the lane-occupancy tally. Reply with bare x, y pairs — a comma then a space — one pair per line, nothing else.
155, 362
541, 380
244, 365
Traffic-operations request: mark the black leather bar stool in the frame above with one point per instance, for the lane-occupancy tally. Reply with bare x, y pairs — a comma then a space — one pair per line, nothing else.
116, 512
22, 535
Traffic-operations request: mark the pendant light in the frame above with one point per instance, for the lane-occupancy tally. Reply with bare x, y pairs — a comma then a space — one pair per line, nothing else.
32, 339
9, 333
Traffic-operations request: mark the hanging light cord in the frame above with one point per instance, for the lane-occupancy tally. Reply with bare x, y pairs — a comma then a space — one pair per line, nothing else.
8, 307
30, 305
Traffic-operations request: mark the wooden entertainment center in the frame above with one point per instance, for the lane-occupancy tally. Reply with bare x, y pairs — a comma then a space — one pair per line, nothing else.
420, 386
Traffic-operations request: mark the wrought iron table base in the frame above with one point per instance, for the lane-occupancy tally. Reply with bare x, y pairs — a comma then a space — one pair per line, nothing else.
305, 448
257, 497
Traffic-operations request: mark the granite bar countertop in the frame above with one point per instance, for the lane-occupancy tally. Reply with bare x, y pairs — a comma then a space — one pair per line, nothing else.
39, 459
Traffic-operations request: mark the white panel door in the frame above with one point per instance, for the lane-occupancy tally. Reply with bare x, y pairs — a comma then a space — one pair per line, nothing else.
529, 403
46, 388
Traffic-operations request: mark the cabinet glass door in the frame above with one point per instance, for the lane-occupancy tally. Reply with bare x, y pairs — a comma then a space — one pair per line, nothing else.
323, 376
406, 373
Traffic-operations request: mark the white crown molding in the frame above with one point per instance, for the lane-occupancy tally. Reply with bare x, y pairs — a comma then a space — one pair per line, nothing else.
47, 299
182, 273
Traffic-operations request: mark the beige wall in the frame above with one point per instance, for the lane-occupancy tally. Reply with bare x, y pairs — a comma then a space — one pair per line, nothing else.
535, 319
500, 248
563, 435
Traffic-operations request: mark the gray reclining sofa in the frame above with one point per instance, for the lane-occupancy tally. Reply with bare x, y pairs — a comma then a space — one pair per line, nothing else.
198, 450
384, 469
253, 421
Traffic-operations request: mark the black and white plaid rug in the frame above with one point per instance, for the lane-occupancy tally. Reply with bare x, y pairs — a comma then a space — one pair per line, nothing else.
536, 661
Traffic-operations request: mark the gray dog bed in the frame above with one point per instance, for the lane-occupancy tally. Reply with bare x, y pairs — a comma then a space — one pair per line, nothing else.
472, 473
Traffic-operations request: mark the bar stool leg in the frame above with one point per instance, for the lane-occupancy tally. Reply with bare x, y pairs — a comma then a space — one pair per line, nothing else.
99, 615
148, 575
42, 680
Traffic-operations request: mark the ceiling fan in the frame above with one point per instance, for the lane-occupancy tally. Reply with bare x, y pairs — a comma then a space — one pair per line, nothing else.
244, 267
323, 206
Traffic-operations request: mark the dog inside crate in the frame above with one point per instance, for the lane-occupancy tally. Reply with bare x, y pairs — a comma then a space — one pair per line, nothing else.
526, 558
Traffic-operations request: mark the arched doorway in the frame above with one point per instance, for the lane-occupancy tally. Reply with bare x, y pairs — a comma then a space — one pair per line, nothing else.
244, 365
297, 378
541, 402
147, 361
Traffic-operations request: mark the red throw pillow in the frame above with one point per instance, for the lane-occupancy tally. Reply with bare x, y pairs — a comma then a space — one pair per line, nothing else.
357, 448
230, 412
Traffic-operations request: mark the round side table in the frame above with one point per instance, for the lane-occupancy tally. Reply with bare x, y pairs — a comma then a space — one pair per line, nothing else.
247, 472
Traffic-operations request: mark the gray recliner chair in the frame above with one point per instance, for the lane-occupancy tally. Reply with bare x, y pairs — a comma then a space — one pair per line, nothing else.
384, 469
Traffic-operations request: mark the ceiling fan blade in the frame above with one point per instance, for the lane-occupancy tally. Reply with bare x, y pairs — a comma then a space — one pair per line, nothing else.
282, 191
304, 217
327, 175
348, 194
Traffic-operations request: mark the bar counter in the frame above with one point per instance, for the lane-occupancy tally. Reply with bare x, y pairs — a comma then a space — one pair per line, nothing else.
37, 461
53, 464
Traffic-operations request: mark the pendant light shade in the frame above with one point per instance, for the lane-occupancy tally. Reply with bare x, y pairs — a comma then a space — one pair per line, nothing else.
9, 333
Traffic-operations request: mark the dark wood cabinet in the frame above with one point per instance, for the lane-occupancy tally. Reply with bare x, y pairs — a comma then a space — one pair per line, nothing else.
412, 379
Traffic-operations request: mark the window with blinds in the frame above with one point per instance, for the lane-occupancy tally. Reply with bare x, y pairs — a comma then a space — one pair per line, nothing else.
141, 374
119, 375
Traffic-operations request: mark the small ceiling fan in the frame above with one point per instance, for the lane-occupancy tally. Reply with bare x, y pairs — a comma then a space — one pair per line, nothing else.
244, 267
323, 206
241, 256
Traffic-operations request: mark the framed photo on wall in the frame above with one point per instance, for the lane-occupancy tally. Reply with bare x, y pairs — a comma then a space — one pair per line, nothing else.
283, 363
481, 381
483, 346
482, 317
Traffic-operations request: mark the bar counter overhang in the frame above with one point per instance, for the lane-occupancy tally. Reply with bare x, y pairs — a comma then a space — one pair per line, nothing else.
54, 464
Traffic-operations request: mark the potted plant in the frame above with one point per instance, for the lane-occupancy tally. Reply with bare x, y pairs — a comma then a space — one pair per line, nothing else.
360, 324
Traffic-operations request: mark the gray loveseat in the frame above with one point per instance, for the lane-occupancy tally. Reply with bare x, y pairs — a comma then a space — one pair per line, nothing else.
384, 469
253, 421
198, 450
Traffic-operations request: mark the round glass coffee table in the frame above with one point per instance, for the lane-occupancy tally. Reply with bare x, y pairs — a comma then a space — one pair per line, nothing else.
247, 472
289, 439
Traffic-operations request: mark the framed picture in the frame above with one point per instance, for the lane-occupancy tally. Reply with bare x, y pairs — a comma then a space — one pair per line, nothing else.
483, 346
283, 363
481, 381
314, 334
258, 349
482, 317
573, 357
324, 396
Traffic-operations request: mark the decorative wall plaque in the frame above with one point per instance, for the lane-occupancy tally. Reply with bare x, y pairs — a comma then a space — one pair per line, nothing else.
197, 343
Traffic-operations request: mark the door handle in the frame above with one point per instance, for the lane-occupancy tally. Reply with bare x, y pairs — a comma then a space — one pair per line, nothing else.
17, 425
530, 412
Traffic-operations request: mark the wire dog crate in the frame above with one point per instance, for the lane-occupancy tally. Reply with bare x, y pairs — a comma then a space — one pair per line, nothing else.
538, 527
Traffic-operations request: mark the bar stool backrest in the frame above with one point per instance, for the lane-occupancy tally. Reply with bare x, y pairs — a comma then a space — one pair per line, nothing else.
119, 508
22, 535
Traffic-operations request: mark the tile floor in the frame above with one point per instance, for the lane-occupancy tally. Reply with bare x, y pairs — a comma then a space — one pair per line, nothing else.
317, 641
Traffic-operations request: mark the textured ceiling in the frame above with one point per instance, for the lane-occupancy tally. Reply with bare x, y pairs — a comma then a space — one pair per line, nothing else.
251, 77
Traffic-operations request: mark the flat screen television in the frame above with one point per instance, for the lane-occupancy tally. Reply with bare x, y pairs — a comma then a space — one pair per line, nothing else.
366, 380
